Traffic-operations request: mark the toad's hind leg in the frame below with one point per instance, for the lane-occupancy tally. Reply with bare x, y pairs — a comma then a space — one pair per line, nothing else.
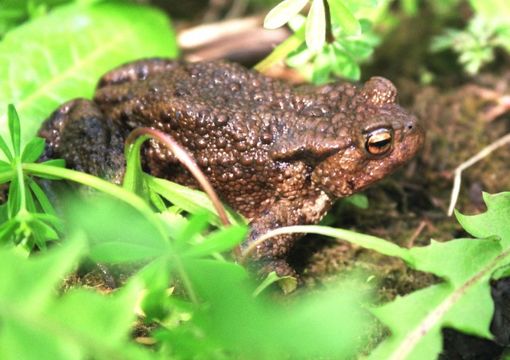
137, 70
79, 133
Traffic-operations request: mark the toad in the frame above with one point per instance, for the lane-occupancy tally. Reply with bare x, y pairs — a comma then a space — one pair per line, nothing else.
278, 154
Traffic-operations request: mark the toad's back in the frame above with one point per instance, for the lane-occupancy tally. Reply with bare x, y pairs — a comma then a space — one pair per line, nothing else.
228, 117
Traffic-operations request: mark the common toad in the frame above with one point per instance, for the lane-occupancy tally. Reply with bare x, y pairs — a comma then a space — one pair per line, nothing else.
278, 154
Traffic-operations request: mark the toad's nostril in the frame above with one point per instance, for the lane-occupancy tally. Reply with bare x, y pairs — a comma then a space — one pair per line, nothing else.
411, 123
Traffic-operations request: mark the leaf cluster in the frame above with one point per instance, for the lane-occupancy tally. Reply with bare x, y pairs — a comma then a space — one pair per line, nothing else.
219, 314
59, 56
27, 218
333, 39
81, 324
485, 32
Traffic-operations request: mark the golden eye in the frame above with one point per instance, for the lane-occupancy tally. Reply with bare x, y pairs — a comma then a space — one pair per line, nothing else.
378, 142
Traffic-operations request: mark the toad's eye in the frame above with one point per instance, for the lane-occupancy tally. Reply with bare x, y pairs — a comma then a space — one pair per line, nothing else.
378, 142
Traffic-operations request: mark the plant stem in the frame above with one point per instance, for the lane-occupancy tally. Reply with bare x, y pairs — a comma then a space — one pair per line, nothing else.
21, 184
98, 184
367, 241
280, 52
187, 160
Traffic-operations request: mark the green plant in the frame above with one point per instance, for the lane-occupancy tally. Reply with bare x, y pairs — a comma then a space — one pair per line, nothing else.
486, 31
80, 324
14, 12
28, 217
333, 39
59, 56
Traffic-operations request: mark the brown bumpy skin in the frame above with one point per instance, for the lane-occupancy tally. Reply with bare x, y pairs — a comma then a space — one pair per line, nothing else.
278, 154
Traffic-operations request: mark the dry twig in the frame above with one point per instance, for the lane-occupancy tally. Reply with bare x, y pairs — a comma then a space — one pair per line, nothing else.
470, 162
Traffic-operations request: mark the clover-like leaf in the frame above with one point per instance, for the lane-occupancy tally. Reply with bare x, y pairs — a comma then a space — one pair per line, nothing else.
315, 34
283, 13
344, 18
33, 150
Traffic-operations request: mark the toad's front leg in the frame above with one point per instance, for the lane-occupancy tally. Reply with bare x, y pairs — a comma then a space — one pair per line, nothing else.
270, 255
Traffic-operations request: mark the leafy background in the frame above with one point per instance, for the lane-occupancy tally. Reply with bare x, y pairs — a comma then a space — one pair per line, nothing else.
60, 56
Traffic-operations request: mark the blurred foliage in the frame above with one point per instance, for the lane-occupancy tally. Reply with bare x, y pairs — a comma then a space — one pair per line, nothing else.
14, 12
81, 324
486, 31
59, 56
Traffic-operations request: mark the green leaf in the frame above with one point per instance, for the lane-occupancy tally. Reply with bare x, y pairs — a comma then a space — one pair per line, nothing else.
410, 7
188, 232
463, 301
300, 57
494, 222
5, 166
358, 200
22, 290
193, 201
117, 252
14, 129
315, 34
501, 273
33, 150
345, 65
61, 55
13, 199
58, 163
7, 231
234, 320
358, 49
344, 18
157, 201
41, 197
134, 179
29, 200
130, 237
37, 323
287, 283
46, 232
218, 241
322, 67
5, 149
283, 12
